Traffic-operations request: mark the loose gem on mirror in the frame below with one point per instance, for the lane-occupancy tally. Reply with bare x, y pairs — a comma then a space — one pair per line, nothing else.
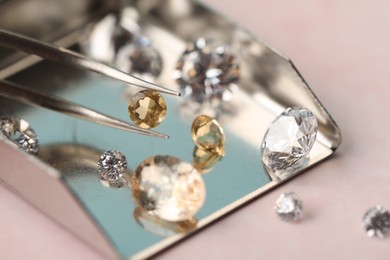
207, 134
112, 166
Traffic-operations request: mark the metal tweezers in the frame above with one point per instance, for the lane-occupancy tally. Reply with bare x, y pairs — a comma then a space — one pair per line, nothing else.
64, 56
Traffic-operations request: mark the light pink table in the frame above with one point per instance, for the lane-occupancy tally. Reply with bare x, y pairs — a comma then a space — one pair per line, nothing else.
342, 48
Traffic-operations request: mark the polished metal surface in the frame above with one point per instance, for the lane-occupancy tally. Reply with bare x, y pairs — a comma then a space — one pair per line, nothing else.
34, 98
269, 83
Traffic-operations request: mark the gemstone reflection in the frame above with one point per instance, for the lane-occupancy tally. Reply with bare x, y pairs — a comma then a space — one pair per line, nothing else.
288, 141
147, 108
168, 188
19, 132
205, 161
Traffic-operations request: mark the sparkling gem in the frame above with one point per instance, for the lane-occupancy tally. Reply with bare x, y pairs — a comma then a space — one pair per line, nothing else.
288, 206
204, 161
288, 141
205, 74
168, 188
140, 58
19, 132
112, 166
377, 221
161, 227
147, 108
207, 134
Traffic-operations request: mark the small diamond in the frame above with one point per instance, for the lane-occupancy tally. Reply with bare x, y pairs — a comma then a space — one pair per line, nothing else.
377, 221
205, 74
147, 108
288, 141
207, 134
112, 166
168, 188
288, 206
19, 132
140, 58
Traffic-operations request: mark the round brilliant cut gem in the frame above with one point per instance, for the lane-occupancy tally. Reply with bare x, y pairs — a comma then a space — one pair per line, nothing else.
112, 166
288, 206
168, 188
147, 108
377, 222
288, 141
19, 132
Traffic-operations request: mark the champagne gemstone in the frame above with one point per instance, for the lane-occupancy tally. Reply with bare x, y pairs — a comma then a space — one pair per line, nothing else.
168, 188
204, 161
207, 134
147, 108
19, 132
288, 141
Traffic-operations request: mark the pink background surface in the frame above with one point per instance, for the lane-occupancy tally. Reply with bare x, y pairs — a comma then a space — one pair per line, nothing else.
342, 48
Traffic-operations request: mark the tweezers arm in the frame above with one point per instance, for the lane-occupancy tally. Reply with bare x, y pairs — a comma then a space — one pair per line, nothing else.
64, 56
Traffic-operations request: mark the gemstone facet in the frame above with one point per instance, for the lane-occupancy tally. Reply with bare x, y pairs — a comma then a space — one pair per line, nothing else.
288, 141
168, 188
147, 108
140, 58
112, 166
205, 74
377, 221
19, 132
207, 134
288, 206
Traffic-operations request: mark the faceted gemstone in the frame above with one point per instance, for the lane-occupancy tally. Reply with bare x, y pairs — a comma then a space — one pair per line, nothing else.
161, 227
288, 141
147, 108
288, 206
112, 166
204, 161
140, 58
207, 134
168, 188
19, 132
205, 74
377, 221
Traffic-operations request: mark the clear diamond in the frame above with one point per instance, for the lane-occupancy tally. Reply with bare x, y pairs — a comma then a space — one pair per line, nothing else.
140, 58
19, 132
377, 221
112, 166
205, 74
288, 141
288, 206
168, 188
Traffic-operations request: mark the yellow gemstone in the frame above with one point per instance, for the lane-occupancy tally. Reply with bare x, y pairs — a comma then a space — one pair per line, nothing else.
147, 108
204, 161
207, 134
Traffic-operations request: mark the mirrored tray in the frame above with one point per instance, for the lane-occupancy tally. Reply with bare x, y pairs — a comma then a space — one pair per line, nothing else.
63, 180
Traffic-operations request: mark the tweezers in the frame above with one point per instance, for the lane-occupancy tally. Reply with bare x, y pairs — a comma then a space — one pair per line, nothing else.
64, 56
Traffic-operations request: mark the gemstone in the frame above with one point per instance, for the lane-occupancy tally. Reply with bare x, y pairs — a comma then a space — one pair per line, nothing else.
19, 132
207, 134
140, 58
206, 73
204, 161
377, 221
160, 227
147, 108
168, 188
112, 166
288, 206
288, 141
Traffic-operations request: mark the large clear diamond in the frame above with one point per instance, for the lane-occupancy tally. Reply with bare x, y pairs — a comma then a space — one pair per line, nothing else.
288, 141
168, 188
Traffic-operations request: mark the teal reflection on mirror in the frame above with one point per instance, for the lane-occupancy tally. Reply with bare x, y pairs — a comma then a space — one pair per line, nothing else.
73, 147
